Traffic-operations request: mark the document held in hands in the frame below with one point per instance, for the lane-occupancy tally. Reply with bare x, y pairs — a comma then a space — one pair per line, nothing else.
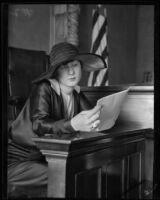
111, 106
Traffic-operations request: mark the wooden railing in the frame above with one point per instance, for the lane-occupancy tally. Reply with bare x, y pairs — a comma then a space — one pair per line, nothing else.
98, 165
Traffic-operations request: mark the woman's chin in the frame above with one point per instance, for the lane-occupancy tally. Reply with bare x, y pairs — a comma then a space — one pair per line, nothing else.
72, 83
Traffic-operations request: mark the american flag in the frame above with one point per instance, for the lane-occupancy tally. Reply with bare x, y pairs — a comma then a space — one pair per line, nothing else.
99, 45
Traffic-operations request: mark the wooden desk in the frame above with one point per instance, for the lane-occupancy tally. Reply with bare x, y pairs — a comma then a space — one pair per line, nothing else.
98, 165
108, 164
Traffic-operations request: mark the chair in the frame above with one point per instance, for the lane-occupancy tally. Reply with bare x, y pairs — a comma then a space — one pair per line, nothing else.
23, 67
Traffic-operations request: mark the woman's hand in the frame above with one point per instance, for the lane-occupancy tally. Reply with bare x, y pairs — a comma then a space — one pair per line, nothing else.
87, 120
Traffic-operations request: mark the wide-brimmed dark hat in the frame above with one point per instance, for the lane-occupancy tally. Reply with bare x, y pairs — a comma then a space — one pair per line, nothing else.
65, 52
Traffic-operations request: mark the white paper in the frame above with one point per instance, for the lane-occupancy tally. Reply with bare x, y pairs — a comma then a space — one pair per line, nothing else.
111, 106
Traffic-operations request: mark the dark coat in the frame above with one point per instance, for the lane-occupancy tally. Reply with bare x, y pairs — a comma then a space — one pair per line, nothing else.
43, 113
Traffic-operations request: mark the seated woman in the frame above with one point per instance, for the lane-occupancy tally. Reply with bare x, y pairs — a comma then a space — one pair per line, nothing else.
55, 106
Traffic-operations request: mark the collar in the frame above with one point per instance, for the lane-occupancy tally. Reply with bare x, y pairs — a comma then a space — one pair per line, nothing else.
55, 85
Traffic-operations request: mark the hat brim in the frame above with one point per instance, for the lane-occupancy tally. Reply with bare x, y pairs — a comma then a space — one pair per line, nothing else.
91, 62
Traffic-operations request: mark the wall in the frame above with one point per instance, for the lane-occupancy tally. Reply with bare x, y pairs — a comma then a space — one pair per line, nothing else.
130, 36
29, 26
122, 45
145, 44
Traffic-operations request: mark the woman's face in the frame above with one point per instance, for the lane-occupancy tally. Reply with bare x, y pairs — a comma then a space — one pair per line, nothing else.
70, 73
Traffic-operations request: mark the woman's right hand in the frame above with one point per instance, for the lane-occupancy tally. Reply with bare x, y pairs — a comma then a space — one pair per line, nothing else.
86, 120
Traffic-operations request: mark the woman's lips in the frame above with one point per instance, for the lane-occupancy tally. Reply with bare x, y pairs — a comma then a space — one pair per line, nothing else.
72, 78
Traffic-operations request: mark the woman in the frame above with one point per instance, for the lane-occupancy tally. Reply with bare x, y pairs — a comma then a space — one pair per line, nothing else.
55, 106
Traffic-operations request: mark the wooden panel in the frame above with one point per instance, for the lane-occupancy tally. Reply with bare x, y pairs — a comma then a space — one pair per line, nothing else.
134, 170
115, 179
110, 180
88, 184
107, 173
94, 159
149, 158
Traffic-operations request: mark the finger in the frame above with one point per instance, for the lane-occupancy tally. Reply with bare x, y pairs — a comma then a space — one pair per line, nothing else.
97, 122
97, 129
84, 112
94, 125
84, 115
93, 118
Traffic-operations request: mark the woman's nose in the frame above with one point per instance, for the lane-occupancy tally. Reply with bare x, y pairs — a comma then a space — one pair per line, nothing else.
70, 70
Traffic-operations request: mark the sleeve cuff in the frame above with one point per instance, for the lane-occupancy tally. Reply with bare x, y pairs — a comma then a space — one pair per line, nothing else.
68, 126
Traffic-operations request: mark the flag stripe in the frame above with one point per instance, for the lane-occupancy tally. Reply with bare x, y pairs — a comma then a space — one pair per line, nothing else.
99, 46
100, 77
96, 29
94, 77
98, 39
90, 79
102, 46
105, 52
95, 17
99, 74
105, 78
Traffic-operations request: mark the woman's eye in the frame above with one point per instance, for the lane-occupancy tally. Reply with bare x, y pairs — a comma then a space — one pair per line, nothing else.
75, 64
64, 66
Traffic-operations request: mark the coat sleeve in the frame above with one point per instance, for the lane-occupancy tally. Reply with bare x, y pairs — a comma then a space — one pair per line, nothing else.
40, 108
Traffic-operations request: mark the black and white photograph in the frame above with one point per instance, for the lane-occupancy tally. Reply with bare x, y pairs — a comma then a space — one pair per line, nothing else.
81, 97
